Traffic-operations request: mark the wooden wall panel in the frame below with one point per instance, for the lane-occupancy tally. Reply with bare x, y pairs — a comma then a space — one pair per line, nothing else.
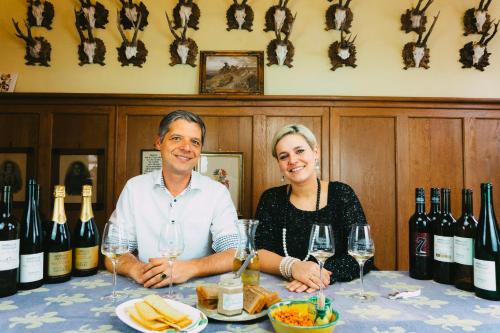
19, 130
367, 164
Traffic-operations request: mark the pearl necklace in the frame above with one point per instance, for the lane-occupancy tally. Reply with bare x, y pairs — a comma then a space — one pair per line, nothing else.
318, 194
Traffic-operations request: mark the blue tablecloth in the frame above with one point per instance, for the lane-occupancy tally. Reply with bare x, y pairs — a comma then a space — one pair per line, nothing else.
75, 306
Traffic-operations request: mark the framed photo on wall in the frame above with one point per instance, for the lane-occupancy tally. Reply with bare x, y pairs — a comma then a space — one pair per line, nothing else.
74, 168
16, 167
227, 169
232, 72
150, 160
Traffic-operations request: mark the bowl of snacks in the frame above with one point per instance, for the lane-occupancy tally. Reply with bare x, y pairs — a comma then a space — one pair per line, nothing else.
302, 316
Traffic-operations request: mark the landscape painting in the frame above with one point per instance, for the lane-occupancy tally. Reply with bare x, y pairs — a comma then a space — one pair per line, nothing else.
237, 72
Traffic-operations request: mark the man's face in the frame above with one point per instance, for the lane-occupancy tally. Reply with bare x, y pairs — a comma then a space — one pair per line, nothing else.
181, 147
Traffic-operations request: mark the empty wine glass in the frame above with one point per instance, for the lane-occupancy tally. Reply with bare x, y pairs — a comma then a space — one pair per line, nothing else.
321, 247
361, 247
114, 244
170, 246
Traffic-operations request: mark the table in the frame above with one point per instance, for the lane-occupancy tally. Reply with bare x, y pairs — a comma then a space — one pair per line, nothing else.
75, 307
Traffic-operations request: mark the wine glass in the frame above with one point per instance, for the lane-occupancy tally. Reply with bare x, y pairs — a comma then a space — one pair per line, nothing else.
114, 244
361, 248
170, 246
321, 247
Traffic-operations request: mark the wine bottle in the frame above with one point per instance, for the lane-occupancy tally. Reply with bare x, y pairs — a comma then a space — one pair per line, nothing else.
435, 210
421, 240
86, 238
487, 249
9, 245
443, 241
31, 258
58, 251
463, 244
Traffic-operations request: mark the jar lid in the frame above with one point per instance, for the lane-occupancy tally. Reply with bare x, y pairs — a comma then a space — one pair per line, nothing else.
230, 280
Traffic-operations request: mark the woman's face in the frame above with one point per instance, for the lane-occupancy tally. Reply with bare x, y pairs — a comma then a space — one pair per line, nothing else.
296, 159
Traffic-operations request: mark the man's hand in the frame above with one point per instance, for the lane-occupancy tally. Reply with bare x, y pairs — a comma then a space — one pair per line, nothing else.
156, 273
307, 274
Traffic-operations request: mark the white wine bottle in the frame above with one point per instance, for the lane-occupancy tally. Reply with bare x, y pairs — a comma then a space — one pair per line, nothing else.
9, 245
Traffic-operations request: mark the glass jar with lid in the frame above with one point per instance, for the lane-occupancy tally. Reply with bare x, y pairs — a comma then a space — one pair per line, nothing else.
230, 295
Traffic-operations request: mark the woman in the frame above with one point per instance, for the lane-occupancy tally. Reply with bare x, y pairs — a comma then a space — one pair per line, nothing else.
287, 212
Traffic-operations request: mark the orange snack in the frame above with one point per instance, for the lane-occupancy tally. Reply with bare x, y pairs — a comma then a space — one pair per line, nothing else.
294, 317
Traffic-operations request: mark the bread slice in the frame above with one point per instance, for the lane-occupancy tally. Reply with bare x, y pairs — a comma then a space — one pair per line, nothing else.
167, 311
271, 296
253, 302
208, 292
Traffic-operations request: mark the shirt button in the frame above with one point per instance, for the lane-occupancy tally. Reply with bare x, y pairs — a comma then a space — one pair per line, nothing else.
175, 200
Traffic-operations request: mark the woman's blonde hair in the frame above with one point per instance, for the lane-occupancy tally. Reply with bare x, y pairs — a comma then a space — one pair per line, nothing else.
294, 129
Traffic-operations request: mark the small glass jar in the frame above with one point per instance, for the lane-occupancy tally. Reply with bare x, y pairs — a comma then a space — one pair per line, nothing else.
230, 295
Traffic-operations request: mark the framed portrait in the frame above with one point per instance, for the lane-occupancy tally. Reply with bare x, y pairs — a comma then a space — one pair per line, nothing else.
74, 168
227, 169
16, 167
150, 160
232, 72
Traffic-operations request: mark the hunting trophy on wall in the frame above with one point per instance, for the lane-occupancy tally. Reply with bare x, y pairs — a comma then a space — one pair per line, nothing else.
239, 16
183, 50
475, 54
132, 52
186, 12
339, 16
414, 19
417, 54
129, 14
91, 49
342, 53
477, 21
281, 51
40, 13
95, 15
37, 48
279, 17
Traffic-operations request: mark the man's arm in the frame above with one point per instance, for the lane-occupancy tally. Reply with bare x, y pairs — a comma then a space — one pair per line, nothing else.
127, 265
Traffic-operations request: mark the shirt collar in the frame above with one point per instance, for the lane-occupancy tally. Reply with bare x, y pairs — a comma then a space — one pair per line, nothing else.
194, 183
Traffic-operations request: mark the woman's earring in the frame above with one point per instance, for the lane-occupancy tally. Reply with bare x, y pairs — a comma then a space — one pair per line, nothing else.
282, 178
317, 165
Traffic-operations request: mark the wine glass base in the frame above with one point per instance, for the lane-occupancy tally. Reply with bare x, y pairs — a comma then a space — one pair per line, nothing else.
173, 296
111, 298
363, 297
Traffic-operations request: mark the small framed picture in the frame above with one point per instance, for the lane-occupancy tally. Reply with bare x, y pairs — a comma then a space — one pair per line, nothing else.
74, 168
232, 72
16, 167
150, 160
8, 82
227, 169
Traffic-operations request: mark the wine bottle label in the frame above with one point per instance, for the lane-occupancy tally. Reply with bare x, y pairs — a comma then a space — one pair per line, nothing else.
59, 263
31, 267
9, 255
485, 275
86, 257
443, 248
422, 244
463, 250
232, 302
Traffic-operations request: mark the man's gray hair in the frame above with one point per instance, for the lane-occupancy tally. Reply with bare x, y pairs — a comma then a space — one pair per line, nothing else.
180, 114
294, 129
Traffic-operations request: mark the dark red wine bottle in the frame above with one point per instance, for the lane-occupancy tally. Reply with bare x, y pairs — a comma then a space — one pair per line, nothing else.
421, 240
443, 241
9, 245
463, 244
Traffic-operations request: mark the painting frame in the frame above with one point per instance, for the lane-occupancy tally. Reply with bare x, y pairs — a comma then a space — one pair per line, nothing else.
212, 72
150, 160
22, 170
65, 161
210, 162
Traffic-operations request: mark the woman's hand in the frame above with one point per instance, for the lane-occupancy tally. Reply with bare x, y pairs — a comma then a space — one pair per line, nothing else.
298, 287
306, 274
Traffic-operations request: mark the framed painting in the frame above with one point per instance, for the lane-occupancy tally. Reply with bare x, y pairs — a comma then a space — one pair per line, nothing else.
74, 168
227, 169
232, 72
150, 160
16, 167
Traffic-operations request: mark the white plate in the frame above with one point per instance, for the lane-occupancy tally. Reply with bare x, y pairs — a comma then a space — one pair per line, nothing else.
199, 320
244, 316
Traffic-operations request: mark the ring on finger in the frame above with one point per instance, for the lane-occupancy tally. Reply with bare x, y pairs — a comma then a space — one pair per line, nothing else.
163, 276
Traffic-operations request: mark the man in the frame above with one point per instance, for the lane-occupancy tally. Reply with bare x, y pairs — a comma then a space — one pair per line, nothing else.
202, 207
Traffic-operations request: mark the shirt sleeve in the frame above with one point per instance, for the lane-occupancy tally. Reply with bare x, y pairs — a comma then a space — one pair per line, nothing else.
123, 215
268, 234
342, 265
223, 228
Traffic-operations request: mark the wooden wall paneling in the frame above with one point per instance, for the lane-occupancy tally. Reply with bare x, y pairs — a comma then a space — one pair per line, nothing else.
260, 150
367, 164
483, 160
436, 157
403, 201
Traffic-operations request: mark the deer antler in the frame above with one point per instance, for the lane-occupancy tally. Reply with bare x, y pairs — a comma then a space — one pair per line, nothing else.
80, 32
427, 6
19, 32
487, 5
347, 3
176, 36
120, 29
424, 42
290, 28
417, 7
495, 29
136, 30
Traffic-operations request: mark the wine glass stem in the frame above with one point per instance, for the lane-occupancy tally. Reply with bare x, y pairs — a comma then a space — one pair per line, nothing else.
361, 265
171, 268
114, 278
320, 296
